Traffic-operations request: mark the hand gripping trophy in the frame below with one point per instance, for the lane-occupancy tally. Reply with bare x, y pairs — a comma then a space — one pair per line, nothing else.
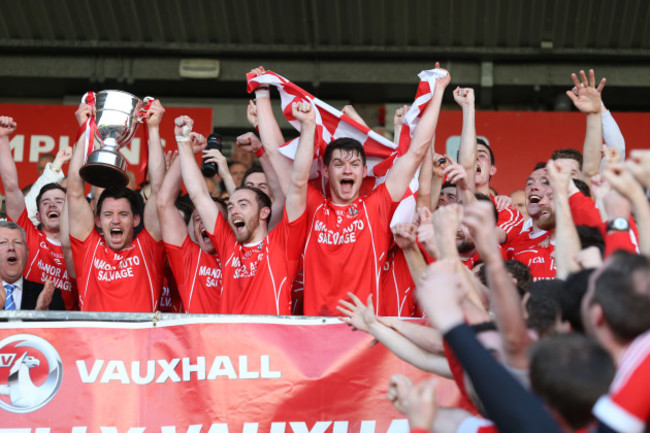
116, 121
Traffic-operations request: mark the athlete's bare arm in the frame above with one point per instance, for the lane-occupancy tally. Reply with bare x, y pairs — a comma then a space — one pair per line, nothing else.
400, 175
505, 301
363, 318
14, 200
270, 134
80, 215
297, 192
251, 143
567, 242
622, 180
467, 149
588, 101
405, 235
172, 225
192, 177
156, 167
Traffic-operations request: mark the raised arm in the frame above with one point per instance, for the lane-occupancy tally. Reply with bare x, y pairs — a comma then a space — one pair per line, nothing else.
191, 173
156, 167
363, 318
250, 143
588, 101
14, 200
505, 301
404, 235
51, 174
64, 227
458, 175
173, 228
621, 179
81, 220
297, 193
405, 167
270, 133
467, 149
507, 403
567, 242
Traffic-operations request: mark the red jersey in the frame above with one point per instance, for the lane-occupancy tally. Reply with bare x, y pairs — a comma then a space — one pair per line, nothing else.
627, 406
510, 220
257, 278
470, 261
346, 249
198, 277
534, 250
397, 286
46, 262
170, 299
129, 280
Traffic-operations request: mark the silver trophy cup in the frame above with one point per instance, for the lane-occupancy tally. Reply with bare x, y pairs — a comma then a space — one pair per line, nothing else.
117, 119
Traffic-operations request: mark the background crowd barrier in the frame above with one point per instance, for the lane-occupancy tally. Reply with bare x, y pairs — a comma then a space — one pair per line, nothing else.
124, 372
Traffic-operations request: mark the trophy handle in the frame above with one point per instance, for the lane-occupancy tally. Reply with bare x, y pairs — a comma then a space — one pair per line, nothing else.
142, 114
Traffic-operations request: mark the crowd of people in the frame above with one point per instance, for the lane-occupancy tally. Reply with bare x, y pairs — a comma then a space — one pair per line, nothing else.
542, 298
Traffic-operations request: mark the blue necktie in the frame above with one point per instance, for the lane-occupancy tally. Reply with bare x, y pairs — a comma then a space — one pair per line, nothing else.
9, 302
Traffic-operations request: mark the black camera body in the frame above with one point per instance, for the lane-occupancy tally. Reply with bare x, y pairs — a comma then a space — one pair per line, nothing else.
209, 169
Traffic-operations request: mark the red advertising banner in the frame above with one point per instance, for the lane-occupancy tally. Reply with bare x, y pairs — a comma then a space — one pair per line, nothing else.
223, 375
44, 129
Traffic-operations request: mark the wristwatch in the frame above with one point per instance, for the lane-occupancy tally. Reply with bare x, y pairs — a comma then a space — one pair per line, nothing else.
618, 224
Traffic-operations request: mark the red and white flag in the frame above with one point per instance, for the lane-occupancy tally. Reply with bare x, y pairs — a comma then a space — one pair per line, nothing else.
331, 124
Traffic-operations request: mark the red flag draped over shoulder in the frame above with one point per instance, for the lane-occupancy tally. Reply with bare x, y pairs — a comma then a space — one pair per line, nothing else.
331, 124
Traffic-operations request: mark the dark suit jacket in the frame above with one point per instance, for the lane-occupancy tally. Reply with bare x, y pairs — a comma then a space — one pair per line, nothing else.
31, 291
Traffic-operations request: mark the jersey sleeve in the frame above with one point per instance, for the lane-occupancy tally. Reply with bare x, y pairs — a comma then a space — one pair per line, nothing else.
583, 210
511, 221
627, 406
294, 235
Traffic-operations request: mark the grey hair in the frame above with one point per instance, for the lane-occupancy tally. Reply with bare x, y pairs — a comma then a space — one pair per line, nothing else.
13, 226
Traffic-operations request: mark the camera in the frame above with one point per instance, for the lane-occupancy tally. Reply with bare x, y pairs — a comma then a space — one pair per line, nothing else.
209, 169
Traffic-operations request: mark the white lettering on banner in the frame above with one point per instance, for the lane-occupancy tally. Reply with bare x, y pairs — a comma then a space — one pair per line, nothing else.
367, 426
116, 370
17, 144
38, 145
114, 430
36, 148
7, 359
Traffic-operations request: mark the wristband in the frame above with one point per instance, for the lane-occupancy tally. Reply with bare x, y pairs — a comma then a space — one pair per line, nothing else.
262, 92
259, 152
182, 138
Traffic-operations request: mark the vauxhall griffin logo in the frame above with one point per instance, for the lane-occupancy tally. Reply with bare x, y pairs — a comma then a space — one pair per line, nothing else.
30, 373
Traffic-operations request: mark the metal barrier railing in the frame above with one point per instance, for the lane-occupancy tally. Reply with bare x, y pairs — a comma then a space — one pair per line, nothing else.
95, 316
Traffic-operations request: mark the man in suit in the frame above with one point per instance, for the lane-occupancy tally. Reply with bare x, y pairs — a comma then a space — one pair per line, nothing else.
18, 293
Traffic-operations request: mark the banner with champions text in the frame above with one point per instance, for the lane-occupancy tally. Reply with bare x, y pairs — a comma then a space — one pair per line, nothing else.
238, 374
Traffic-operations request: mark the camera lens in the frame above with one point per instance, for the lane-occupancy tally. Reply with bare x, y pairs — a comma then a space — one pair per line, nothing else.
209, 169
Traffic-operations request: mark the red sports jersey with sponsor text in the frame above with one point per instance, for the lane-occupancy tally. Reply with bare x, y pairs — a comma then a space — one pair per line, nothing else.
346, 249
46, 262
534, 250
257, 278
627, 406
170, 299
197, 275
129, 280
